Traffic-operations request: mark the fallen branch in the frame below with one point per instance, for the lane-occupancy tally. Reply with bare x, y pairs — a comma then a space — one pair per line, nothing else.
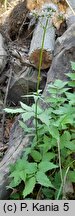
5, 100
35, 48
70, 7
13, 153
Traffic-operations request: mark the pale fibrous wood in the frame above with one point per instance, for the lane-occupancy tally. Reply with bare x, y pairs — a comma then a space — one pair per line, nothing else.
71, 4
13, 153
36, 43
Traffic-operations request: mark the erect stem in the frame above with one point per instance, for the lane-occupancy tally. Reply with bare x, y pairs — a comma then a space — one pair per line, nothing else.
38, 81
59, 155
41, 52
5, 4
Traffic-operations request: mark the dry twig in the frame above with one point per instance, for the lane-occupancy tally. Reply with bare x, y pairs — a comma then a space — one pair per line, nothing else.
5, 100
70, 7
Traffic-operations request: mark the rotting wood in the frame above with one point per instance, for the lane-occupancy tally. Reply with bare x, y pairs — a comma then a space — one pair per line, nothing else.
34, 53
12, 154
36, 43
5, 100
15, 150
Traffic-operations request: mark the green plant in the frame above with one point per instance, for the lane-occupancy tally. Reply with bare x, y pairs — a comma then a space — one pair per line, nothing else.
48, 162
5, 4
50, 159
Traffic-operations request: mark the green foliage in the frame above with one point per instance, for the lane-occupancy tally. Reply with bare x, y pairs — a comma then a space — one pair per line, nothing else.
43, 163
49, 159
73, 67
42, 179
29, 186
72, 176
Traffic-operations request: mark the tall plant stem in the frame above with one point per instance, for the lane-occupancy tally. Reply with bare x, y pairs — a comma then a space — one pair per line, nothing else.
41, 54
62, 186
59, 155
38, 81
5, 4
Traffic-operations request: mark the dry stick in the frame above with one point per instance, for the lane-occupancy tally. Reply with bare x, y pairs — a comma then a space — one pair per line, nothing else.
2, 149
64, 183
5, 100
70, 7
38, 194
24, 61
29, 34
21, 27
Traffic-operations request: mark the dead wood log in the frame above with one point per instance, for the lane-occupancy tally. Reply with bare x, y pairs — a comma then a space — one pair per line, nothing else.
70, 13
70, 20
18, 142
64, 53
36, 43
23, 83
3, 54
